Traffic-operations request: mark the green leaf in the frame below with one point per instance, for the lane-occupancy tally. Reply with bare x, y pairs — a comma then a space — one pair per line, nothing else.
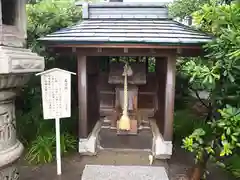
198, 132
222, 153
209, 150
228, 131
234, 138
220, 164
237, 67
230, 76
221, 124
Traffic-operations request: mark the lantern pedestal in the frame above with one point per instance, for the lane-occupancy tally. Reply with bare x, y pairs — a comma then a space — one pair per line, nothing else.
16, 66
10, 148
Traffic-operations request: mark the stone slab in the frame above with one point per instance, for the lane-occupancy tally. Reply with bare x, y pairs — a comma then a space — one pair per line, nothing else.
109, 172
19, 60
108, 138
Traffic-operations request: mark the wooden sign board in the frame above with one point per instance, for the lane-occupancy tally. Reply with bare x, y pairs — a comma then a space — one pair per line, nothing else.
56, 93
56, 101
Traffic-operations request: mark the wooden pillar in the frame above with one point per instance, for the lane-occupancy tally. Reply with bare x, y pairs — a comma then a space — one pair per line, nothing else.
93, 101
160, 69
82, 96
147, 63
169, 97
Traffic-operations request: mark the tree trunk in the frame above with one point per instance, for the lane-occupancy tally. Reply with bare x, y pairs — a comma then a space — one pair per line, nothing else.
197, 173
199, 169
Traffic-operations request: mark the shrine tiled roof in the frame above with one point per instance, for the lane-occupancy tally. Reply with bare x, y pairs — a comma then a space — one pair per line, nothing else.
127, 24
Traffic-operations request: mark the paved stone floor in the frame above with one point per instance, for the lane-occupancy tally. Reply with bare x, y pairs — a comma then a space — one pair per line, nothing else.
72, 166
109, 139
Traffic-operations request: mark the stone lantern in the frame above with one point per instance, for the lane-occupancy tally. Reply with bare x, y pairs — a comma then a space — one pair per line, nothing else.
17, 64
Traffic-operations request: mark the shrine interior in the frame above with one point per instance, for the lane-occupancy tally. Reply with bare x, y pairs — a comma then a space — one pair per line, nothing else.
142, 102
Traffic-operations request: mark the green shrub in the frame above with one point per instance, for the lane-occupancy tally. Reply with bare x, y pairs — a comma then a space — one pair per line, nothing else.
30, 123
185, 122
151, 64
43, 148
219, 145
233, 165
68, 143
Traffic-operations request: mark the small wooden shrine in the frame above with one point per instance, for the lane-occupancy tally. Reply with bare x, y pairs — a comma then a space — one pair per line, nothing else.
144, 32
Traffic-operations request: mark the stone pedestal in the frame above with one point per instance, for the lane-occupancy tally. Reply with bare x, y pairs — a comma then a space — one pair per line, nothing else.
10, 80
10, 148
16, 67
9, 172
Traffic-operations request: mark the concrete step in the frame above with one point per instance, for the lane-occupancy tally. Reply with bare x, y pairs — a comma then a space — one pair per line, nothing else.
107, 172
114, 157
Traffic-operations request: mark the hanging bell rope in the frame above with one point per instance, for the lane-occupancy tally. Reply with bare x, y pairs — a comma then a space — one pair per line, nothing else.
124, 122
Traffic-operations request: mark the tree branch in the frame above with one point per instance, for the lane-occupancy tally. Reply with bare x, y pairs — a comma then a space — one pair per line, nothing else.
199, 98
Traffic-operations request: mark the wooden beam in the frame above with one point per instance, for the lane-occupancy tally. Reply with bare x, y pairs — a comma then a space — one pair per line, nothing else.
82, 96
131, 51
192, 52
169, 98
134, 46
122, 52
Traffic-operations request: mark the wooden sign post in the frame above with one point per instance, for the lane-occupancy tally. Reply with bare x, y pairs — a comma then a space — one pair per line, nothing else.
56, 101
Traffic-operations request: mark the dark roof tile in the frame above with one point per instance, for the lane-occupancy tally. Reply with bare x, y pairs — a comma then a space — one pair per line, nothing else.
119, 31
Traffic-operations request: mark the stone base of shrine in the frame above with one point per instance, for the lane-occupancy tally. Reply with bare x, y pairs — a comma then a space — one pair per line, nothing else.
148, 139
88, 146
161, 149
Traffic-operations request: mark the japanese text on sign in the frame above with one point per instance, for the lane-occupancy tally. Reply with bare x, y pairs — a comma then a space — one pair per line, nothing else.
56, 95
